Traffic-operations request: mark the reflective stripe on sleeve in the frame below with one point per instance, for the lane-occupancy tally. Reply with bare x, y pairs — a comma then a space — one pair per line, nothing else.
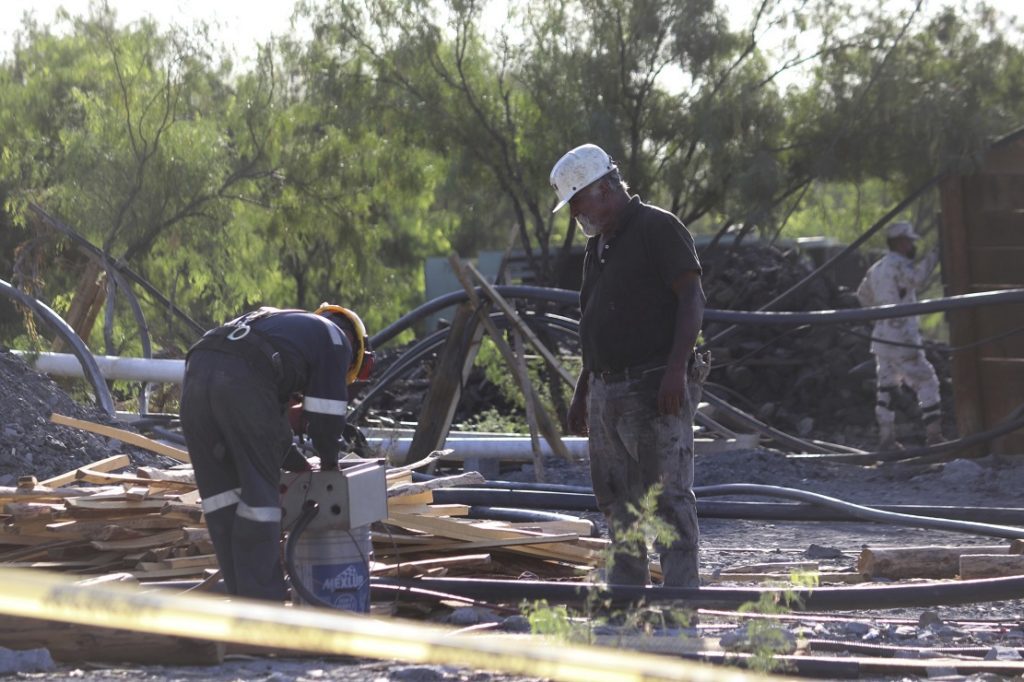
325, 405
259, 514
220, 500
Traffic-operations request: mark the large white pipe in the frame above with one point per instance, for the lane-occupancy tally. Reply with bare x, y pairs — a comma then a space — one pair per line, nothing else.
111, 366
514, 448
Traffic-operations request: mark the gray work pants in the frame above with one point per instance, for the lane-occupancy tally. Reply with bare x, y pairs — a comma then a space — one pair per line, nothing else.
632, 448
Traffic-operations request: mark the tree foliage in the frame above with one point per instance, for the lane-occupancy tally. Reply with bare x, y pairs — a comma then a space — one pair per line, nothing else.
330, 167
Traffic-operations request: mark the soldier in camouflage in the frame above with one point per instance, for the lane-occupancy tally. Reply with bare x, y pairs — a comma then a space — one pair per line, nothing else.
896, 342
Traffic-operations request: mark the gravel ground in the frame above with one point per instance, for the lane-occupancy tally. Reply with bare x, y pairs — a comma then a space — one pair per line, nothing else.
30, 445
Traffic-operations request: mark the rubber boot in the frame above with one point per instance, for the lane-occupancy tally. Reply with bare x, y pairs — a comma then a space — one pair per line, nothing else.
933, 433
680, 568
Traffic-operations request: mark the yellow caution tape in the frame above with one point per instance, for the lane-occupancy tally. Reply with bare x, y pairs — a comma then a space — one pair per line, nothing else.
51, 596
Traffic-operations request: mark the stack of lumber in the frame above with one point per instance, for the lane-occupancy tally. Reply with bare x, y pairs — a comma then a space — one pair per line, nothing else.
149, 524
93, 521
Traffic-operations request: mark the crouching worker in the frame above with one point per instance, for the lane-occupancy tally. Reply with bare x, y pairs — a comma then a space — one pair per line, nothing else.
239, 381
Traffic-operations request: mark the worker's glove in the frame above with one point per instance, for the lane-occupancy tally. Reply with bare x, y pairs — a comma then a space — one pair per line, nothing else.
295, 461
328, 463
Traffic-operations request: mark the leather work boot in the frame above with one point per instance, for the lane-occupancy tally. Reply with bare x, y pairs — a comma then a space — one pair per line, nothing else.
933, 433
680, 568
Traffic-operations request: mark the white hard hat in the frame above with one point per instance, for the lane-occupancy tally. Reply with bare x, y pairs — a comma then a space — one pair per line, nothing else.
577, 169
901, 229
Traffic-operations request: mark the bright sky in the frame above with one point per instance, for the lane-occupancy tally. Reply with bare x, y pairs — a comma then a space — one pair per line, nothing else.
242, 24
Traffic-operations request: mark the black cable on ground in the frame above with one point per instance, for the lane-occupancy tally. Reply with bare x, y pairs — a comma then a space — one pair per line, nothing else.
308, 513
863, 512
799, 599
583, 502
927, 453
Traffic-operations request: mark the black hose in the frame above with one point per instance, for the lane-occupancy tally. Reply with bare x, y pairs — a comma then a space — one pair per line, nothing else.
587, 502
308, 513
799, 599
864, 513
516, 498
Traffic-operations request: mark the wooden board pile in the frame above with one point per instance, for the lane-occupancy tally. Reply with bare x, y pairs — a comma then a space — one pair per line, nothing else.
149, 525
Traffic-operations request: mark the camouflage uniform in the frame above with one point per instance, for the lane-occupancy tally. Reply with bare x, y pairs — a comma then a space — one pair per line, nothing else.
895, 279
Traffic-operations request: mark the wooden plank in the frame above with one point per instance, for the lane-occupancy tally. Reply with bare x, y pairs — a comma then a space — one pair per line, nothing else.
170, 475
468, 531
998, 228
447, 378
408, 569
138, 440
104, 465
1002, 379
997, 266
958, 278
522, 327
154, 540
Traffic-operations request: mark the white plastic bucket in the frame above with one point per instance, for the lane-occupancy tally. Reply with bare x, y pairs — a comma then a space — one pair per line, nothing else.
335, 566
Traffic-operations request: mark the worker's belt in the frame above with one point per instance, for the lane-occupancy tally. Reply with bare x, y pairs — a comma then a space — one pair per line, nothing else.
250, 345
629, 373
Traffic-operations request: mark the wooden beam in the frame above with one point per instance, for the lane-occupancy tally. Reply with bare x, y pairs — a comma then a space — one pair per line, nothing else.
136, 439
544, 422
447, 379
104, 465
522, 327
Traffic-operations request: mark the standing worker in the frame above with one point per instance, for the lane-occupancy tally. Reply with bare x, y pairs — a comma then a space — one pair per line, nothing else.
239, 381
642, 306
896, 342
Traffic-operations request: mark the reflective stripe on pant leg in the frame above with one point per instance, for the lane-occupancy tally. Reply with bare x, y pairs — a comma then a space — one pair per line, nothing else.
221, 500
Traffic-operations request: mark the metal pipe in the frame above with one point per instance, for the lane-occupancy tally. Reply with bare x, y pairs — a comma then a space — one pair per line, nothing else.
78, 346
497, 447
110, 366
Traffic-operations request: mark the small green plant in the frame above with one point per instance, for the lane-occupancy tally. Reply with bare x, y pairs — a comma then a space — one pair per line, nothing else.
645, 528
765, 639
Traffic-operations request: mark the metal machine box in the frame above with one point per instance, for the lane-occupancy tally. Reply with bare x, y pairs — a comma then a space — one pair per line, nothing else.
354, 496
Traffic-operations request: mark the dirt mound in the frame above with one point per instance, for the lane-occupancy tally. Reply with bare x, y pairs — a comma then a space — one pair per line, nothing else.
32, 445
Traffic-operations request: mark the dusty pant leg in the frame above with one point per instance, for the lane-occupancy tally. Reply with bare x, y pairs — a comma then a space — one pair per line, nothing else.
617, 483
214, 471
256, 435
669, 462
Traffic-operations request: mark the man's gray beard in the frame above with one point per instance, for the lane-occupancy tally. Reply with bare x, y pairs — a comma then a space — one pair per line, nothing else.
589, 228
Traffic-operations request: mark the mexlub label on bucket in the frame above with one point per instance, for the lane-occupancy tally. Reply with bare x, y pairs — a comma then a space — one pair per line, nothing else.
343, 586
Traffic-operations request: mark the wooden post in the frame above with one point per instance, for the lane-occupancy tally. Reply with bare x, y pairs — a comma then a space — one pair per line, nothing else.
449, 376
86, 303
521, 326
545, 424
531, 407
